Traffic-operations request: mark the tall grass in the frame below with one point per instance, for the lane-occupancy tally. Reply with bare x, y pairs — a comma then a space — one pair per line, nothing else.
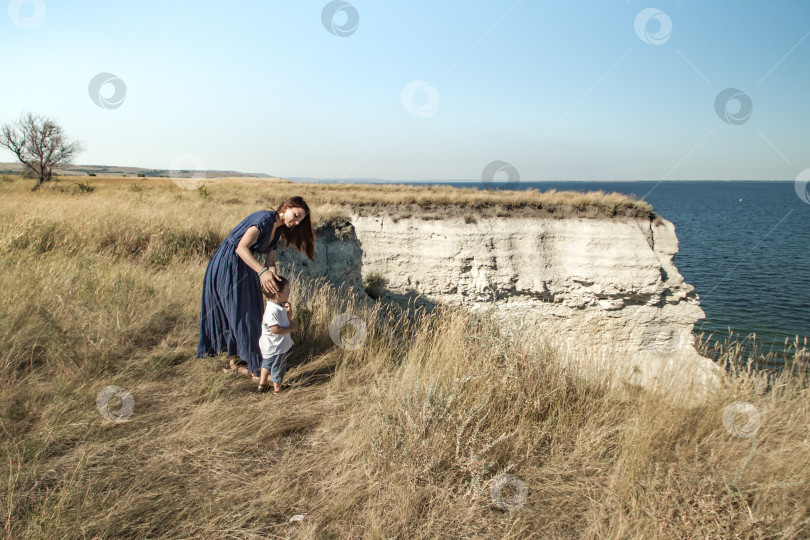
774, 356
405, 436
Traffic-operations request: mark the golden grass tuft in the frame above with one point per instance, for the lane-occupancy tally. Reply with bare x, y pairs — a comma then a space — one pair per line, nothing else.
402, 437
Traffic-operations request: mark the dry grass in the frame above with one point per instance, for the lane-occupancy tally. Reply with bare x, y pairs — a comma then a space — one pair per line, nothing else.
400, 438
427, 202
435, 202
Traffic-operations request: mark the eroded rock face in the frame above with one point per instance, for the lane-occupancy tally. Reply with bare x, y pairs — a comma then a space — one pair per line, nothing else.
601, 289
337, 257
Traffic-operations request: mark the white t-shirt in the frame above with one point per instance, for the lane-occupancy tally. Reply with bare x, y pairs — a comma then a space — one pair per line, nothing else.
271, 344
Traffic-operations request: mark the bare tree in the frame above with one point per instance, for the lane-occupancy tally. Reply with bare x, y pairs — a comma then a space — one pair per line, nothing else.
40, 144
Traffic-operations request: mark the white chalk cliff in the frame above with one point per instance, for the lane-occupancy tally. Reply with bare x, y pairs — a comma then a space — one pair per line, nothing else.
605, 292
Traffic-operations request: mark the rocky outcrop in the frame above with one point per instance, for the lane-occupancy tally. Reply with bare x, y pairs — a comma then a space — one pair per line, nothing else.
606, 292
338, 256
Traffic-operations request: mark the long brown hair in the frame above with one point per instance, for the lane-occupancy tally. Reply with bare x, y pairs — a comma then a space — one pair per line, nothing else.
303, 235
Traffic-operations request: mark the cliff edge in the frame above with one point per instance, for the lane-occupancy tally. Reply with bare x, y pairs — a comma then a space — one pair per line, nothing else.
604, 292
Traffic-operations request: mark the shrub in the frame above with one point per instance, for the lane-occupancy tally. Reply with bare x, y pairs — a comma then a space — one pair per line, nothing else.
374, 284
82, 187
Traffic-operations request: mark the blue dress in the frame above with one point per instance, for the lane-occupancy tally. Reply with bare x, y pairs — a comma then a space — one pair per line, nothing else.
232, 304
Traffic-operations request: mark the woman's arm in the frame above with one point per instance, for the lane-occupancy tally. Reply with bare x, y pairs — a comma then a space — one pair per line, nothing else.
267, 279
243, 249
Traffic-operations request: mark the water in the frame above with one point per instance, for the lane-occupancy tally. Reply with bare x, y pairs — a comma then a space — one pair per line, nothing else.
743, 246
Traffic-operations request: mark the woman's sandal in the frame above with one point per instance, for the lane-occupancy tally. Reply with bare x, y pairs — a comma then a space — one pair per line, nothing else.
280, 390
264, 388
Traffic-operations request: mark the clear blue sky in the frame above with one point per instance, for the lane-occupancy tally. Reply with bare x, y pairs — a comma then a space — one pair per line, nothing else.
562, 90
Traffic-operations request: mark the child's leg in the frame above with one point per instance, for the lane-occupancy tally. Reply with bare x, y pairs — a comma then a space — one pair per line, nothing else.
264, 374
277, 370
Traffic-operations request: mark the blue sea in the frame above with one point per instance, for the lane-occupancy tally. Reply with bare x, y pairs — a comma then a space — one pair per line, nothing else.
744, 246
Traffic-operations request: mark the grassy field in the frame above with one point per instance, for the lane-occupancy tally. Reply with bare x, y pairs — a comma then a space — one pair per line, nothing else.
412, 434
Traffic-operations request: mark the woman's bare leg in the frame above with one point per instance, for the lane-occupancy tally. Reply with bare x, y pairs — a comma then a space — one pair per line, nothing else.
233, 366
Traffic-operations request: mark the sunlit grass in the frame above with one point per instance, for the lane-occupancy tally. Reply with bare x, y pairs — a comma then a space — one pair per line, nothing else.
401, 437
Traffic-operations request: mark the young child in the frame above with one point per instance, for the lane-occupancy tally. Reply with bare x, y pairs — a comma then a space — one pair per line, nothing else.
275, 341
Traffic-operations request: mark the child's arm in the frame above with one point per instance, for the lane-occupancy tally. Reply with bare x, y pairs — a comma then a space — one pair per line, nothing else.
280, 330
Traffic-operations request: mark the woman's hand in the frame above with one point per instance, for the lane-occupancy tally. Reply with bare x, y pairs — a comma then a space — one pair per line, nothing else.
269, 281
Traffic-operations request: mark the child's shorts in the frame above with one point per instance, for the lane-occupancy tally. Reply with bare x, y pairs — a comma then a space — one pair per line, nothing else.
276, 365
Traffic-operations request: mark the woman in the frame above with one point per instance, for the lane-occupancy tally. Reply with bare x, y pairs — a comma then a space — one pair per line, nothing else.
232, 307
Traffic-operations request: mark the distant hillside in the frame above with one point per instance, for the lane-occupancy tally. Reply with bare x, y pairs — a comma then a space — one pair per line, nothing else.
112, 170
